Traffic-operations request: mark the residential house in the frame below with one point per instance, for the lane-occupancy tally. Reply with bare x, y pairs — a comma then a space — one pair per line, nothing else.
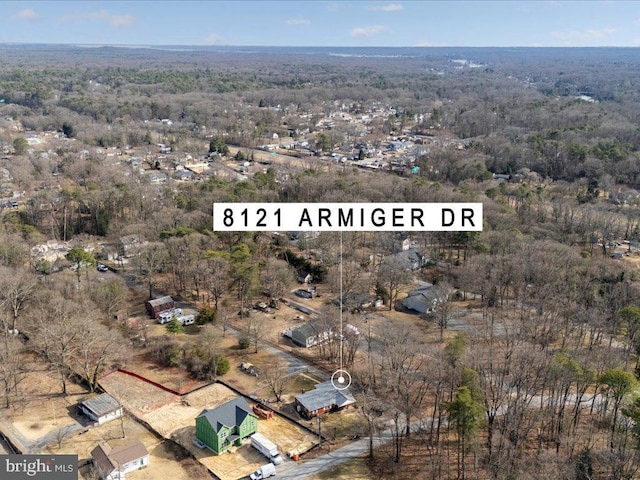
115, 463
101, 409
220, 428
310, 334
425, 299
157, 305
410, 258
322, 399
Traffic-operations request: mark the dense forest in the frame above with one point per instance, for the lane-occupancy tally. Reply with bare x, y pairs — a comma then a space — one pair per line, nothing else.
547, 139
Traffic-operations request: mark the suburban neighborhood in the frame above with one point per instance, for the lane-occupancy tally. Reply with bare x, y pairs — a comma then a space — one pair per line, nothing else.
149, 344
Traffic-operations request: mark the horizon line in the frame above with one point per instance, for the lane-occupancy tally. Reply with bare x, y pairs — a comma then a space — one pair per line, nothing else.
151, 45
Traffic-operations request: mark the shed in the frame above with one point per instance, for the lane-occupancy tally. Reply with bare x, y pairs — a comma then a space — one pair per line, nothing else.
101, 409
115, 463
157, 305
324, 398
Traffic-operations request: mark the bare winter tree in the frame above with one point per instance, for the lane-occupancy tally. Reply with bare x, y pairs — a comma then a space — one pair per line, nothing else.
276, 278
17, 288
392, 275
276, 377
111, 296
218, 270
256, 328
13, 369
98, 348
151, 260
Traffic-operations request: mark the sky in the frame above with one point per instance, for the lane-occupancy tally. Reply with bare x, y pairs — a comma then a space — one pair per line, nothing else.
392, 23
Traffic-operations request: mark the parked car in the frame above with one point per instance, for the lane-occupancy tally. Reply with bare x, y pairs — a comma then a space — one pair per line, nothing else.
102, 268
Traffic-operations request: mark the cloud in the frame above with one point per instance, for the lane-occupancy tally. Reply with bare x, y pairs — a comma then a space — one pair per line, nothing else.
423, 43
298, 21
583, 36
368, 31
26, 15
116, 21
213, 39
334, 7
392, 7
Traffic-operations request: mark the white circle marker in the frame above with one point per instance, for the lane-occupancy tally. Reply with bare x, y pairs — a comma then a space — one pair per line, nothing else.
341, 379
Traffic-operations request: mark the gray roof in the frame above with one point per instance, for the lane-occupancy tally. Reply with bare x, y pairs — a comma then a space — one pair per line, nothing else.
423, 299
408, 258
228, 414
307, 330
160, 301
101, 405
325, 395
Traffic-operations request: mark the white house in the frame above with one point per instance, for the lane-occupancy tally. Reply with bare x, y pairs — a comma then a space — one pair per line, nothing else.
101, 409
115, 463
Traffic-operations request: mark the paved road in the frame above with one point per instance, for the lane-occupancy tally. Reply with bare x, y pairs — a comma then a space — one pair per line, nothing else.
297, 470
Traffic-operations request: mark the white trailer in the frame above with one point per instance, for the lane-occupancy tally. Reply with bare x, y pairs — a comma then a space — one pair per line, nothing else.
187, 319
266, 447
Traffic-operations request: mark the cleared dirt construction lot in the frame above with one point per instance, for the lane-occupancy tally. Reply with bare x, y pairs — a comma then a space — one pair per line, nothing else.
137, 396
174, 417
177, 421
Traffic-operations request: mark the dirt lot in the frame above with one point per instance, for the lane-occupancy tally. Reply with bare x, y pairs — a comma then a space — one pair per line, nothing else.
241, 461
173, 378
182, 412
42, 408
134, 394
164, 462
177, 420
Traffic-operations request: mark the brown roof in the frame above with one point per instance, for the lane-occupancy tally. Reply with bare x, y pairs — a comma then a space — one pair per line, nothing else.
101, 458
127, 453
108, 459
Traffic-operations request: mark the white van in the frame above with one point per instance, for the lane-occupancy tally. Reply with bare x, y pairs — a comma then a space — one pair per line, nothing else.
264, 471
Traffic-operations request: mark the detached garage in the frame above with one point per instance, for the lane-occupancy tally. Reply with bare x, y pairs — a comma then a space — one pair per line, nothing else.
157, 305
101, 409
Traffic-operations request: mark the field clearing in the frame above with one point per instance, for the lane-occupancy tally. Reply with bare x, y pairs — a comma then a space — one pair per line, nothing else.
42, 408
182, 413
134, 394
172, 378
